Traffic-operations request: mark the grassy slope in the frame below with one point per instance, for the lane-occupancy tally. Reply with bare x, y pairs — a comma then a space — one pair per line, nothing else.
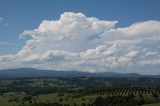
4, 100
158, 104
53, 97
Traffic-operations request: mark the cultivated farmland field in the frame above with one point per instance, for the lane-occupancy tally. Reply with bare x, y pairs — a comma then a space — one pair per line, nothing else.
79, 91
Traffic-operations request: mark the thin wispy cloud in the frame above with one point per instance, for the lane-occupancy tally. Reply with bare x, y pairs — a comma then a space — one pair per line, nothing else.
6, 25
1, 19
7, 43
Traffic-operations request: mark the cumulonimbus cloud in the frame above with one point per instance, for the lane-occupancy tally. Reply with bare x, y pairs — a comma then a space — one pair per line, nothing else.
78, 42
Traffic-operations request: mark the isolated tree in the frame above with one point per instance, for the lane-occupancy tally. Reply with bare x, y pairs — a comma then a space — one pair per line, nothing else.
61, 99
74, 104
155, 95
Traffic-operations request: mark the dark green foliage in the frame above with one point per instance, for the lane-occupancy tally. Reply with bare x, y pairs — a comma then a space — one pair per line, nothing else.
74, 104
116, 101
27, 98
61, 100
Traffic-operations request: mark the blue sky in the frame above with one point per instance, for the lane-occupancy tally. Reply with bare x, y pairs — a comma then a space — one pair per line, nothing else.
88, 35
27, 14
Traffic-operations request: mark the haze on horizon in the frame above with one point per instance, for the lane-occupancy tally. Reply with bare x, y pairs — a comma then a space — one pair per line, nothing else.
72, 36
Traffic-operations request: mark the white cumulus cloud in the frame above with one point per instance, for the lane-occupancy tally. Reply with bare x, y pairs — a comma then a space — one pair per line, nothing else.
78, 42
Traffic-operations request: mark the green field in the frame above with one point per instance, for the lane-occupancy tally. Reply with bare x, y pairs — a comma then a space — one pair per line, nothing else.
65, 98
79, 92
158, 104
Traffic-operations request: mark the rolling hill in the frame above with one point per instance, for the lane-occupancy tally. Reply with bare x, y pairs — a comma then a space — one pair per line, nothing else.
30, 72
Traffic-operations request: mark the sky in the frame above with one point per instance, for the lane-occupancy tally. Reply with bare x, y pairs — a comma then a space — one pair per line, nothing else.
91, 35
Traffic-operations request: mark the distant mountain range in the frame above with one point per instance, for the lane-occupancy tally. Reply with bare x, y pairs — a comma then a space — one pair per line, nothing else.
29, 72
